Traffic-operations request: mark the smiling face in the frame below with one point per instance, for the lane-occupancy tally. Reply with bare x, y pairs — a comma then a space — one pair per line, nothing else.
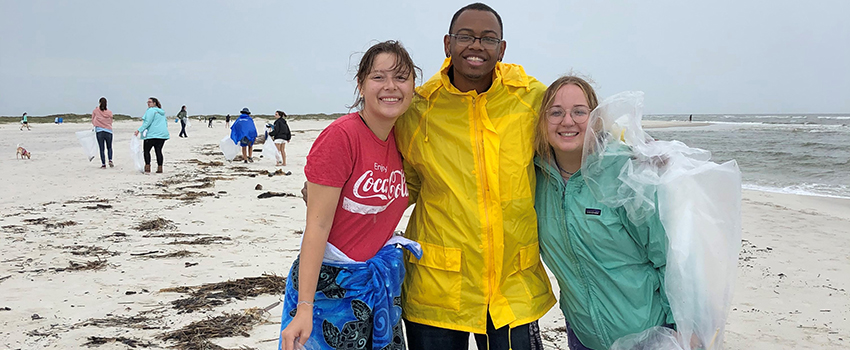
387, 90
473, 63
565, 135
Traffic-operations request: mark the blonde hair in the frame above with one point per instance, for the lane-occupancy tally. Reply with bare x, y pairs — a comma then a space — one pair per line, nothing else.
541, 137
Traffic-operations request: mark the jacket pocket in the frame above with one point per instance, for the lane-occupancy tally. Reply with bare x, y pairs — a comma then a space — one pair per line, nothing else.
435, 279
531, 271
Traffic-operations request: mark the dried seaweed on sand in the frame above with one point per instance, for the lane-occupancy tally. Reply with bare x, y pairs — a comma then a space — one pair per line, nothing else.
88, 200
38, 221
185, 196
131, 342
89, 250
156, 255
60, 224
275, 194
158, 224
196, 335
81, 266
202, 163
139, 321
203, 240
98, 206
171, 235
215, 294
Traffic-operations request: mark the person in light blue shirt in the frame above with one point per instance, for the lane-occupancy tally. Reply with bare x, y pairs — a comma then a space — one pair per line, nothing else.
154, 131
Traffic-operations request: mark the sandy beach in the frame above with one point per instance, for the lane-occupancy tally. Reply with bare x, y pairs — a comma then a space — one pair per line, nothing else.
115, 259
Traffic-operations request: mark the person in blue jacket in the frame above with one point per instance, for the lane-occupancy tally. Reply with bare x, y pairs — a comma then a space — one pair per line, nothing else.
154, 131
244, 132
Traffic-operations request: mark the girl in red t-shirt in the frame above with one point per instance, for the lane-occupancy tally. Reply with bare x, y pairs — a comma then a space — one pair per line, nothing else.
358, 194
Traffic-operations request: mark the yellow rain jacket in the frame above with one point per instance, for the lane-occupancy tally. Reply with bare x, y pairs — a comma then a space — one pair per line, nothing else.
468, 163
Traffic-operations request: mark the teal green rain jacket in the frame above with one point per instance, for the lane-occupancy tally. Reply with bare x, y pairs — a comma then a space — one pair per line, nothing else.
611, 272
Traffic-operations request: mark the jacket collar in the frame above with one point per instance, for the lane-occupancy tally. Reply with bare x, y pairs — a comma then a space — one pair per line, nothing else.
547, 167
505, 74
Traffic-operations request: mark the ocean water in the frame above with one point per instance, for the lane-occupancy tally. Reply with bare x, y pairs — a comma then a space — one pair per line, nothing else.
798, 154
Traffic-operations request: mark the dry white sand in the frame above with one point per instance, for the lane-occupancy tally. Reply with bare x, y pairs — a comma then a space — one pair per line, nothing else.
792, 287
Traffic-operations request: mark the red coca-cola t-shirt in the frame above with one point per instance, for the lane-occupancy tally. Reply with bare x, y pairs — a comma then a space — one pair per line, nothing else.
374, 192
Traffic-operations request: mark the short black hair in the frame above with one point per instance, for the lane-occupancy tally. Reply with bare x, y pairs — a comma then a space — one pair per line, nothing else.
478, 7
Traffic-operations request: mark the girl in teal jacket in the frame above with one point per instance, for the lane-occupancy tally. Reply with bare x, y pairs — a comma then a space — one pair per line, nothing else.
154, 131
610, 270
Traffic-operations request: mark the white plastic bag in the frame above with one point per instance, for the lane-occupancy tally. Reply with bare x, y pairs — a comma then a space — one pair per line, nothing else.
88, 139
229, 148
699, 204
311, 344
270, 148
136, 153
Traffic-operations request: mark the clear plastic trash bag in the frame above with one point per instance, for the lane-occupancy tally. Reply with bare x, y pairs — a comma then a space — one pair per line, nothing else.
88, 139
270, 148
136, 154
229, 148
699, 204
311, 344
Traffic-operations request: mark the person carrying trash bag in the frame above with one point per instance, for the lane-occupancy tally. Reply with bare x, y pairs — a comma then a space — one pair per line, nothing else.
154, 132
101, 118
244, 133
281, 135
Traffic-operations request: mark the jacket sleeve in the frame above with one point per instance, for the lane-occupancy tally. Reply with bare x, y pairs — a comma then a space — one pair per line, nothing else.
275, 129
147, 119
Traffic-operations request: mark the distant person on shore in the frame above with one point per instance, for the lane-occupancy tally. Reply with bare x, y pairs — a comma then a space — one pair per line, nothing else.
350, 269
154, 131
281, 135
101, 118
227, 121
211, 121
244, 133
183, 121
691, 118
24, 122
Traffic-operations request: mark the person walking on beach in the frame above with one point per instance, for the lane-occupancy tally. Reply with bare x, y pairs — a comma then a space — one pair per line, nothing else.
24, 122
244, 133
101, 118
227, 121
281, 135
154, 132
468, 154
184, 119
210, 122
591, 248
357, 197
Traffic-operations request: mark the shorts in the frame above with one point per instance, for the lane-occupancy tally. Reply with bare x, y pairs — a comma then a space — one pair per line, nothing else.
279, 141
245, 142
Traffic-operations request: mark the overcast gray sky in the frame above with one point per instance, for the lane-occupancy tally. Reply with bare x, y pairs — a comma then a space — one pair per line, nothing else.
720, 56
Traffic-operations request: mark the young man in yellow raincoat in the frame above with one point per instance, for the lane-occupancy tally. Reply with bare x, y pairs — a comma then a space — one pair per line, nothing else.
467, 146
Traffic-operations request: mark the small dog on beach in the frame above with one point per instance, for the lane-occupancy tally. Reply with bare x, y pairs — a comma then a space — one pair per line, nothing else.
22, 152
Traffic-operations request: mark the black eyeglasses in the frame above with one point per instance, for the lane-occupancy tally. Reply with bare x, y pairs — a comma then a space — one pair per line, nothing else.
556, 114
488, 42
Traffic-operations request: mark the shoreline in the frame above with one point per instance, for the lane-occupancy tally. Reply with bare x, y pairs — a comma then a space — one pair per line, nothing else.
59, 208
